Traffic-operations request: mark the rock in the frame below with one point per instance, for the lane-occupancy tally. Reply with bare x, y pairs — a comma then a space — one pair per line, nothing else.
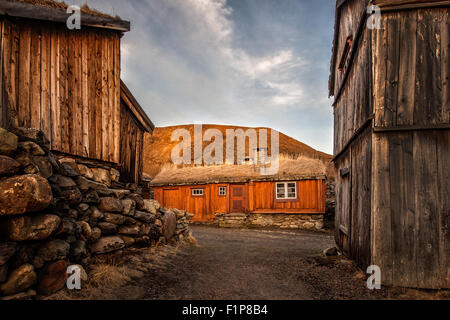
86, 184
19, 280
120, 194
86, 230
69, 170
145, 217
24, 255
20, 296
130, 230
28, 228
63, 181
96, 214
22, 194
31, 134
158, 222
102, 176
169, 221
71, 214
189, 215
53, 277
53, 250
107, 244
8, 142
114, 218
7, 249
329, 252
95, 235
138, 200
115, 175
68, 227
151, 206
78, 250
108, 228
72, 196
91, 197
31, 148
3, 273
8, 166
85, 171
129, 241
44, 165
110, 204
308, 225
129, 207
179, 213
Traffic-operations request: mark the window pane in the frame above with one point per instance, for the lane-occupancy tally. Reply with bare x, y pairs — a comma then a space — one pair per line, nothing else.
292, 187
281, 191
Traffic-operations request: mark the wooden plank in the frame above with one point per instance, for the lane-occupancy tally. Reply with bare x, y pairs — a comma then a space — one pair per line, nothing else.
3, 105
45, 124
105, 99
392, 65
426, 203
98, 98
380, 73
92, 94
35, 91
9, 113
117, 84
111, 98
85, 93
407, 67
77, 134
382, 255
445, 63
428, 95
443, 149
55, 90
403, 209
64, 92
24, 76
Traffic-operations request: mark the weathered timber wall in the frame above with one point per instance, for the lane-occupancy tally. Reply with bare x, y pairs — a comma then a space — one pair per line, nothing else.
65, 83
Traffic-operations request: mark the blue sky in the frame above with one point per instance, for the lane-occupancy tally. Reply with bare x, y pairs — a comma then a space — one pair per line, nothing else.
239, 62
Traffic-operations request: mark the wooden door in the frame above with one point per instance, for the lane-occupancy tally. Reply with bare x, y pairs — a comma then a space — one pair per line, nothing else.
172, 198
237, 198
343, 203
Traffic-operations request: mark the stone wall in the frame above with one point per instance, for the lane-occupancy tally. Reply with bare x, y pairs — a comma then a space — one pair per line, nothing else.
56, 212
278, 220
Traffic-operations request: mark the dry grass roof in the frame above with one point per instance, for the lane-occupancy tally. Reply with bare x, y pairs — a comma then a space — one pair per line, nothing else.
299, 168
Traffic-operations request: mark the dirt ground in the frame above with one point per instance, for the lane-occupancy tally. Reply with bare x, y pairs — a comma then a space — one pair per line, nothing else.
234, 264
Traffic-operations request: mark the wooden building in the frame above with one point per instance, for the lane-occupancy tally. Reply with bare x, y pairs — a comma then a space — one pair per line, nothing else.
392, 139
67, 83
207, 191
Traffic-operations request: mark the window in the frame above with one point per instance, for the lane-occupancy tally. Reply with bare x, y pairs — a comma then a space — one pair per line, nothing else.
197, 192
344, 58
222, 191
286, 190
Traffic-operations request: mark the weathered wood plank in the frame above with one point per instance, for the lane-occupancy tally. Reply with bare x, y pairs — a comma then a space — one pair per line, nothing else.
407, 68
392, 65
117, 84
98, 100
111, 98
445, 63
3, 120
92, 93
381, 212
105, 100
55, 90
403, 209
35, 88
45, 83
85, 92
64, 92
24, 76
380, 73
426, 203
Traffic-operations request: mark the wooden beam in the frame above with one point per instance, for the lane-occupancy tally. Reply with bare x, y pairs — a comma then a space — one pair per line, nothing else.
31, 11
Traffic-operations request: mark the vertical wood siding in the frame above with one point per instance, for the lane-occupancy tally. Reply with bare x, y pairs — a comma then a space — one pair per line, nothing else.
66, 83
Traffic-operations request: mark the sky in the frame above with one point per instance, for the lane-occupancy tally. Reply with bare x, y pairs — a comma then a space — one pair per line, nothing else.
255, 63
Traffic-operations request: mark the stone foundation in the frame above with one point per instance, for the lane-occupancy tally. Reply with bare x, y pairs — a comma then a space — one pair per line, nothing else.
59, 211
281, 221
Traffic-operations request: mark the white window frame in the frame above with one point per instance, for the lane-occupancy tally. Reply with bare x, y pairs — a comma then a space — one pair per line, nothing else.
199, 192
285, 184
224, 189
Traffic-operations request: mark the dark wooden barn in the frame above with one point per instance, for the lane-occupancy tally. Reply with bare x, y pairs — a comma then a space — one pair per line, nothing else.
392, 139
67, 84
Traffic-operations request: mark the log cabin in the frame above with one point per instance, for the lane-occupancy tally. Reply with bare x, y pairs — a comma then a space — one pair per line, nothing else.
67, 84
392, 139
296, 193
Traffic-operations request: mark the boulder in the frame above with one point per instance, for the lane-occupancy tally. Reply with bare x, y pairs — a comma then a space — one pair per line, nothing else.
145, 217
53, 250
179, 213
29, 228
110, 204
63, 181
114, 218
72, 196
130, 230
115, 175
22, 194
24, 255
44, 166
151, 206
86, 184
138, 200
69, 170
129, 241
31, 134
107, 244
20, 296
7, 249
102, 176
3, 273
85, 171
19, 280
8, 166
169, 227
31, 148
78, 250
85, 229
329, 252
108, 228
189, 215
120, 193
53, 277
8, 142
96, 214
129, 207
91, 197
95, 235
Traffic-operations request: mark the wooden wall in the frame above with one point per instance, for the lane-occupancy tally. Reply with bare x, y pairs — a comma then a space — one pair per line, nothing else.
131, 146
66, 83
260, 195
412, 69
